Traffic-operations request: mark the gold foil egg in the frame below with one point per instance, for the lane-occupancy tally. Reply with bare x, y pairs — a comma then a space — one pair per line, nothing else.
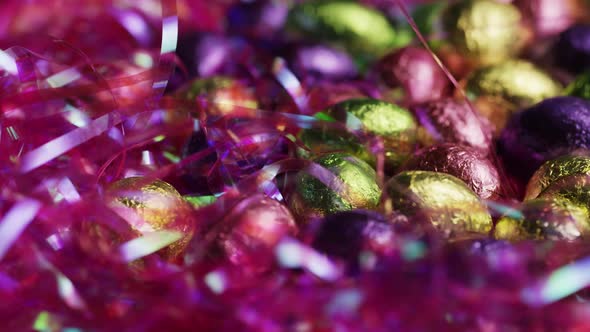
155, 206
442, 200
574, 188
554, 170
360, 29
544, 219
391, 123
513, 83
335, 182
486, 30
224, 94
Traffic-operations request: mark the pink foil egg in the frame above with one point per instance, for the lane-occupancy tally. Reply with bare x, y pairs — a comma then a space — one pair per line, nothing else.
415, 70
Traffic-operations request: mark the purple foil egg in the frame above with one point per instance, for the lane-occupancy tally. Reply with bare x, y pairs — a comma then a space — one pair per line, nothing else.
463, 162
345, 235
414, 69
452, 121
323, 61
549, 129
572, 50
260, 19
210, 54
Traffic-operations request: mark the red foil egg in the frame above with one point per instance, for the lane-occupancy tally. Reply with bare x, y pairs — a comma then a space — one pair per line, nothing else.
414, 70
463, 162
454, 121
252, 228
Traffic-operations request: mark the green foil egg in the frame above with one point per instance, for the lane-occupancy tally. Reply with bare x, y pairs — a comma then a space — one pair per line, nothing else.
554, 170
335, 182
393, 124
486, 30
574, 188
358, 28
327, 139
580, 87
544, 219
441, 199
514, 82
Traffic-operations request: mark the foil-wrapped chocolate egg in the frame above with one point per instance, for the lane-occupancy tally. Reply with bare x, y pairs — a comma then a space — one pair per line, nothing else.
204, 54
550, 17
572, 50
516, 83
326, 139
554, 170
255, 224
393, 124
552, 128
323, 62
416, 71
360, 29
440, 199
502, 89
224, 94
346, 234
335, 182
463, 162
154, 205
574, 188
486, 30
580, 87
544, 219
257, 19
452, 121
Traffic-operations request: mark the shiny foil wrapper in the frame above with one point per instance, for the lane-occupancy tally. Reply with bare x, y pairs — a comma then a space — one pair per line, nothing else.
544, 219
575, 188
254, 225
486, 30
550, 129
463, 162
346, 235
442, 200
550, 17
358, 28
223, 94
452, 121
335, 182
501, 89
153, 205
391, 123
415, 70
513, 83
257, 19
554, 170
325, 140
